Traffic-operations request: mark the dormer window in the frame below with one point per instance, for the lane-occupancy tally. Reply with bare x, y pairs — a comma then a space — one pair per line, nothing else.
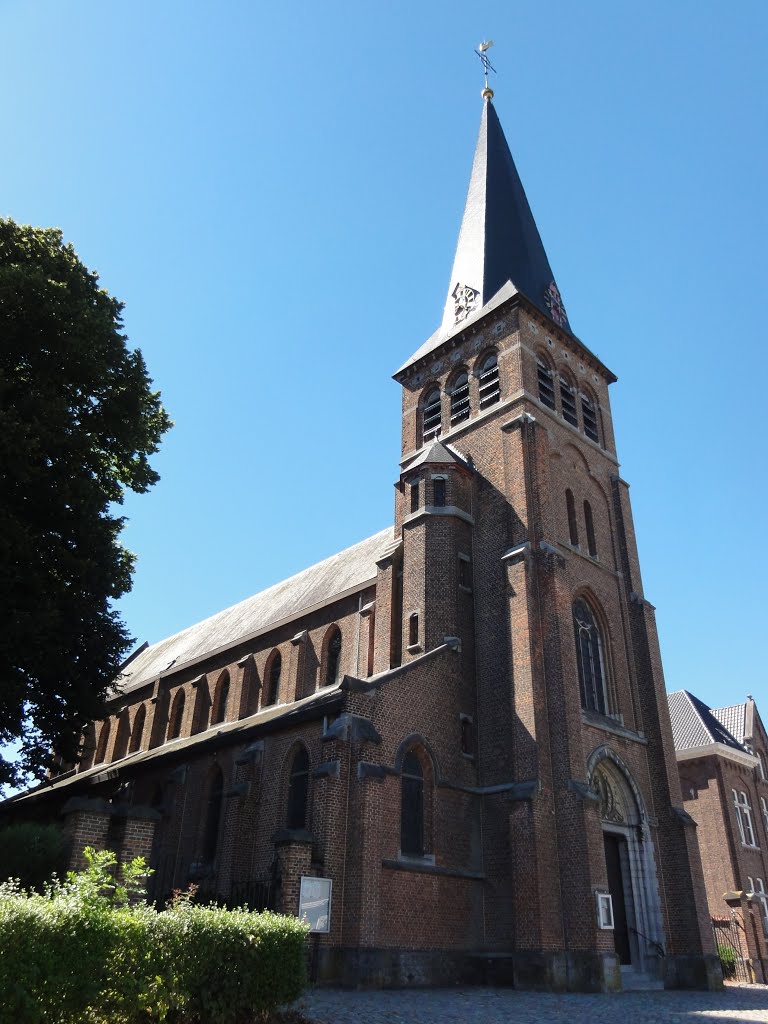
489, 381
546, 386
460, 398
568, 403
589, 418
432, 414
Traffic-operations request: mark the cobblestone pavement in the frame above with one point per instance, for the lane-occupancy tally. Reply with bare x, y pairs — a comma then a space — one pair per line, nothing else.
735, 1005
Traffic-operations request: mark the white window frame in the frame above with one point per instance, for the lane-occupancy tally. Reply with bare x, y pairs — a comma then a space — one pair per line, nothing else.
764, 806
761, 766
744, 818
762, 898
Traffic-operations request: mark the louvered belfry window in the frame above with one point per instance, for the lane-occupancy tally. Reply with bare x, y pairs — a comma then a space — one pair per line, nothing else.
412, 807
432, 414
489, 381
590, 419
568, 403
460, 399
546, 387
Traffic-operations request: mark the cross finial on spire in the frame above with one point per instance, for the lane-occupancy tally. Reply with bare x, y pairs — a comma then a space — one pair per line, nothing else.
482, 53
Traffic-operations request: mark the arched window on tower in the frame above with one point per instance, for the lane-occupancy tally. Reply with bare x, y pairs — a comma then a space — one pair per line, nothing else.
489, 381
412, 806
272, 691
590, 659
568, 402
298, 790
460, 398
546, 384
589, 522
432, 414
176, 716
137, 733
573, 529
101, 748
221, 699
589, 418
213, 815
332, 655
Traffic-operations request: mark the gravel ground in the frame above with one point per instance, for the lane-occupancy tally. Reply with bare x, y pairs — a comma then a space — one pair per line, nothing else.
504, 1006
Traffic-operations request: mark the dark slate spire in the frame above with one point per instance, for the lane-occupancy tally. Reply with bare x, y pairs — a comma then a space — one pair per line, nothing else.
499, 240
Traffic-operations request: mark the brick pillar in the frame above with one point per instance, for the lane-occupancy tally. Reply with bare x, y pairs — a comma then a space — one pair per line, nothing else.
86, 823
753, 928
137, 833
294, 858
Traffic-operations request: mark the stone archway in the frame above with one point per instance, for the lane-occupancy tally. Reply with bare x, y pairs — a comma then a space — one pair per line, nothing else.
630, 865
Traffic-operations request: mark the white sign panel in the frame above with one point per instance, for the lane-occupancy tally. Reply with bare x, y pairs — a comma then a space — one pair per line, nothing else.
315, 903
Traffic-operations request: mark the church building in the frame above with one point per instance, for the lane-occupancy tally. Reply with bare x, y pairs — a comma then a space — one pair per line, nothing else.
449, 745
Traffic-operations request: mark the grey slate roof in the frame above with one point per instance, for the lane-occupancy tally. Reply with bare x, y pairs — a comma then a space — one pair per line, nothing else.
733, 718
319, 585
438, 454
694, 724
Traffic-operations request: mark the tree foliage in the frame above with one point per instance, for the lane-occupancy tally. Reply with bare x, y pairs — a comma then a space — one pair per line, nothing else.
78, 422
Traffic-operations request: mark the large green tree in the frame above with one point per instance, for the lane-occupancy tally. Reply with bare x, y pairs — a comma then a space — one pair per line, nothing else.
78, 422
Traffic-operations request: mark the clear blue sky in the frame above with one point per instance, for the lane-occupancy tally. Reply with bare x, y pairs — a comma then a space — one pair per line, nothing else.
274, 190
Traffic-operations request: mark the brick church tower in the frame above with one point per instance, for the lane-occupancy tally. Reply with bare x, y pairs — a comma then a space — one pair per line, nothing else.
455, 731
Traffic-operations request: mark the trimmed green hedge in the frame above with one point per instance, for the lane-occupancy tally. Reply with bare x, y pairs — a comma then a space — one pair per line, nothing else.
82, 954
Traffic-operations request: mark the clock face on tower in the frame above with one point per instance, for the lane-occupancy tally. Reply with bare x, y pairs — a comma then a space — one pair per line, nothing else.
465, 301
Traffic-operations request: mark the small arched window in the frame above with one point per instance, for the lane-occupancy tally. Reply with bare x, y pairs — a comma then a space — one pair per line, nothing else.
589, 418
101, 748
298, 790
568, 402
221, 699
176, 716
413, 629
546, 385
573, 530
489, 381
273, 679
137, 733
589, 656
432, 414
460, 398
333, 656
412, 806
123, 736
213, 816
590, 525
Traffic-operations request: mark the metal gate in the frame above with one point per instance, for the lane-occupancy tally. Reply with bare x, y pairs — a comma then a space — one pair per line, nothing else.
732, 948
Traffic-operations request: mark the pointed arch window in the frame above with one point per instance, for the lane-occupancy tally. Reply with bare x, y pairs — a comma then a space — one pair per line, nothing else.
101, 749
573, 529
273, 679
213, 816
489, 381
589, 419
432, 414
460, 398
568, 402
298, 790
412, 806
333, 656
123, 736
546, 384
220, 700
590, 659
177, 716
589, 522
137, 733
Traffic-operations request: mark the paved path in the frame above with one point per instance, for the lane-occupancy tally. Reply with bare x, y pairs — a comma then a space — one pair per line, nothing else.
737, 1004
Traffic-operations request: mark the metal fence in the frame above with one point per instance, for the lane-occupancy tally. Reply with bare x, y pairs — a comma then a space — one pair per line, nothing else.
732, 948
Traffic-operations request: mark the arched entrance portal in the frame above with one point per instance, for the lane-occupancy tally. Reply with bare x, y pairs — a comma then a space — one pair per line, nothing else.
630, 866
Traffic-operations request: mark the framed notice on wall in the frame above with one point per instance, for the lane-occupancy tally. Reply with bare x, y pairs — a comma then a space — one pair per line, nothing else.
315, 903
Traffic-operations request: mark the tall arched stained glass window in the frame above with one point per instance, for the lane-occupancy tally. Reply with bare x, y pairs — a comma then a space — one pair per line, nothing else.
334, 656
589, 656
273, 679
298, 790
412, 807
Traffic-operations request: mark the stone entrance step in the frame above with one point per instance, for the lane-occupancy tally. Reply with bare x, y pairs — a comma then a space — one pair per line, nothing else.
635, 981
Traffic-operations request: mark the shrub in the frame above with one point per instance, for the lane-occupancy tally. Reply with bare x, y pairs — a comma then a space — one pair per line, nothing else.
82, 952
727, 956
32, 853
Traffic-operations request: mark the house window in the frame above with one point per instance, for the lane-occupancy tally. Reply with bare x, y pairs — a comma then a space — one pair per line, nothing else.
590, 525
568, 402
465, 572
298, 790
744, 818
176, 716
438, 491
412, 807
213, 816
589, 656
138, 730
432, 414
273, 685
220, 700
413, 629
489, 381
762, 897
546, 387
764, 808
589, 419
460, 398
333, 657
415, 497
573, 530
